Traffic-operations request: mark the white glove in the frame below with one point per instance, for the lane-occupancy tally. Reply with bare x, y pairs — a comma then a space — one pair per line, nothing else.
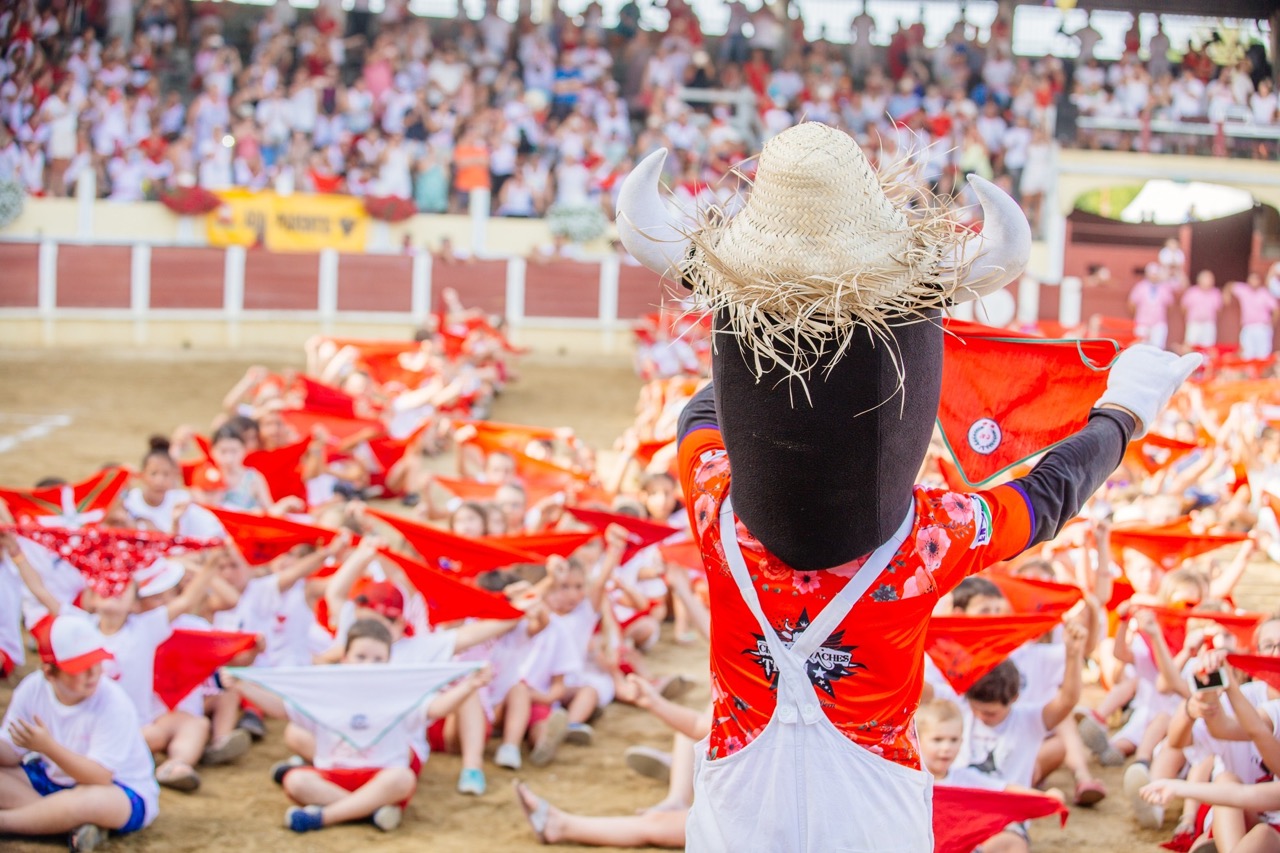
1143, 379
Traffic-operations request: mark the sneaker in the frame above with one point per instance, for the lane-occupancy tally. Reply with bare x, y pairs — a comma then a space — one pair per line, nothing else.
304, 818
471, 781
1136, 776
508, 756
280, 768
1112, 757
251, 722
86, 837
388, 818
1093, 733
555, 727
650, 762
579, 734
227, 748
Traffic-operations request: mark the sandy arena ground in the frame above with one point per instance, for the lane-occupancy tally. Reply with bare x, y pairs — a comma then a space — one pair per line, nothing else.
71, 411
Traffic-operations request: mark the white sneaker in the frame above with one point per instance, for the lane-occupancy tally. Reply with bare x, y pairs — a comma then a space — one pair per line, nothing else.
388, 818
1136, 777
579, 734
508, 756
650, 762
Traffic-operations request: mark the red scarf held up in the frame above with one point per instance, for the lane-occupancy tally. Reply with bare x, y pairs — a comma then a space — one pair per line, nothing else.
1173, 625
1169, 544
965, 648
1031, 595
262, 538
71, 505
640, 533
187, 658
1262, 667
1044, 394
449, 599
454, 553
108, 558
282, 469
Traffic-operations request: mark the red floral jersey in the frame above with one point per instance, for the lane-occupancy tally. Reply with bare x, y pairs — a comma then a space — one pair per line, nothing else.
868, 674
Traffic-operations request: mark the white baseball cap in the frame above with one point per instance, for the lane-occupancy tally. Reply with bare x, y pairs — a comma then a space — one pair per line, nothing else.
76, 644
161, 576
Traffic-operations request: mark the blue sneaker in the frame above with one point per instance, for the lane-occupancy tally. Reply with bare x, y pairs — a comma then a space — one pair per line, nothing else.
471, 781
304, 819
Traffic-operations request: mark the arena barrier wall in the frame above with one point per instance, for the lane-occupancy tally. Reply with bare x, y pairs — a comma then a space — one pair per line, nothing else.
58, 293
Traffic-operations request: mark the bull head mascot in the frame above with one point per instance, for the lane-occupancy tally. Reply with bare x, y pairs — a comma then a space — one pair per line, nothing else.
798, 464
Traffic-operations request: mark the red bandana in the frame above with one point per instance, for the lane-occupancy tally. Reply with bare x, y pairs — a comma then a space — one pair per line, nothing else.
1043, 395
108, 558
262, 538
187, 658
455, 553
448, 598
963, 818
67, 506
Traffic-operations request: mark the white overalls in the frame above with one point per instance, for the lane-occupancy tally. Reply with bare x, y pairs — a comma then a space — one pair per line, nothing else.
801, 785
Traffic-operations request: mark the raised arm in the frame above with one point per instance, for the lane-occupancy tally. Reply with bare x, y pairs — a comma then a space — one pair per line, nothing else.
1068, 695
29, 575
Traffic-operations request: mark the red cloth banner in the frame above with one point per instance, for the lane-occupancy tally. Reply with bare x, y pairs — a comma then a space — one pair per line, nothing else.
187, 658
71, 505
1045, 391
449, 599
108, 558
262, 538
965, 648
458, 554
963, 818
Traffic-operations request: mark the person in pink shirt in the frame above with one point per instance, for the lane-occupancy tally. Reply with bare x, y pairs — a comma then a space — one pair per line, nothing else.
1257, 314
1200, 307
1150, 300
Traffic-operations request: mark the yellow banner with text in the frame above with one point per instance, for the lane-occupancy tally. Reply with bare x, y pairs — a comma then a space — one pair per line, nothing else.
288, 223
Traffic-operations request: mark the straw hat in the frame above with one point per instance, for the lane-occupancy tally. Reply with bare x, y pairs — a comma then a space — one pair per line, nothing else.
824, 246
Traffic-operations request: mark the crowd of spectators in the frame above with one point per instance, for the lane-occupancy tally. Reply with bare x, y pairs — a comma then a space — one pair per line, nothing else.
545, 115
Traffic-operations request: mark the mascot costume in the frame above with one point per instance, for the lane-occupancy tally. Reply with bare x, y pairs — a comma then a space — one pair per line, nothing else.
799, 464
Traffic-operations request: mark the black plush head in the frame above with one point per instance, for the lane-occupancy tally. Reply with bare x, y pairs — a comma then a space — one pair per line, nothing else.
821, 483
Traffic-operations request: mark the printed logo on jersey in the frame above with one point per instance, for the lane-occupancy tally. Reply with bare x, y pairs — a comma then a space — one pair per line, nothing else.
984, 436
359, 723
828, 663
981, 522
708, 455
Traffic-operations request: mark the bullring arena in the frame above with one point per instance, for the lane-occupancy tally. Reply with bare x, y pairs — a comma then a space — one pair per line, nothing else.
193, 233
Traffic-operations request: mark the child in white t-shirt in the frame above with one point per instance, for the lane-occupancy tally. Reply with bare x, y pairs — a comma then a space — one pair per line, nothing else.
940, 729
386, 595
132, 639
213, 735
1003, 739
347, 784
275, 604
531, 708
71, 756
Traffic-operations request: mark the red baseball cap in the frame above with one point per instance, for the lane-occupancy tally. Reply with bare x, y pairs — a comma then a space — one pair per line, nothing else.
75, 644
379, 596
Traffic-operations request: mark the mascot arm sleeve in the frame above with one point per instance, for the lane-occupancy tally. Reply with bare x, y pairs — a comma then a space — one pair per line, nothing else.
698, 413
1073, 470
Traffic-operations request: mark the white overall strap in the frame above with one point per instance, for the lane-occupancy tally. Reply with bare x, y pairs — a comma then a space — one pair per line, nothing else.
795, 683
